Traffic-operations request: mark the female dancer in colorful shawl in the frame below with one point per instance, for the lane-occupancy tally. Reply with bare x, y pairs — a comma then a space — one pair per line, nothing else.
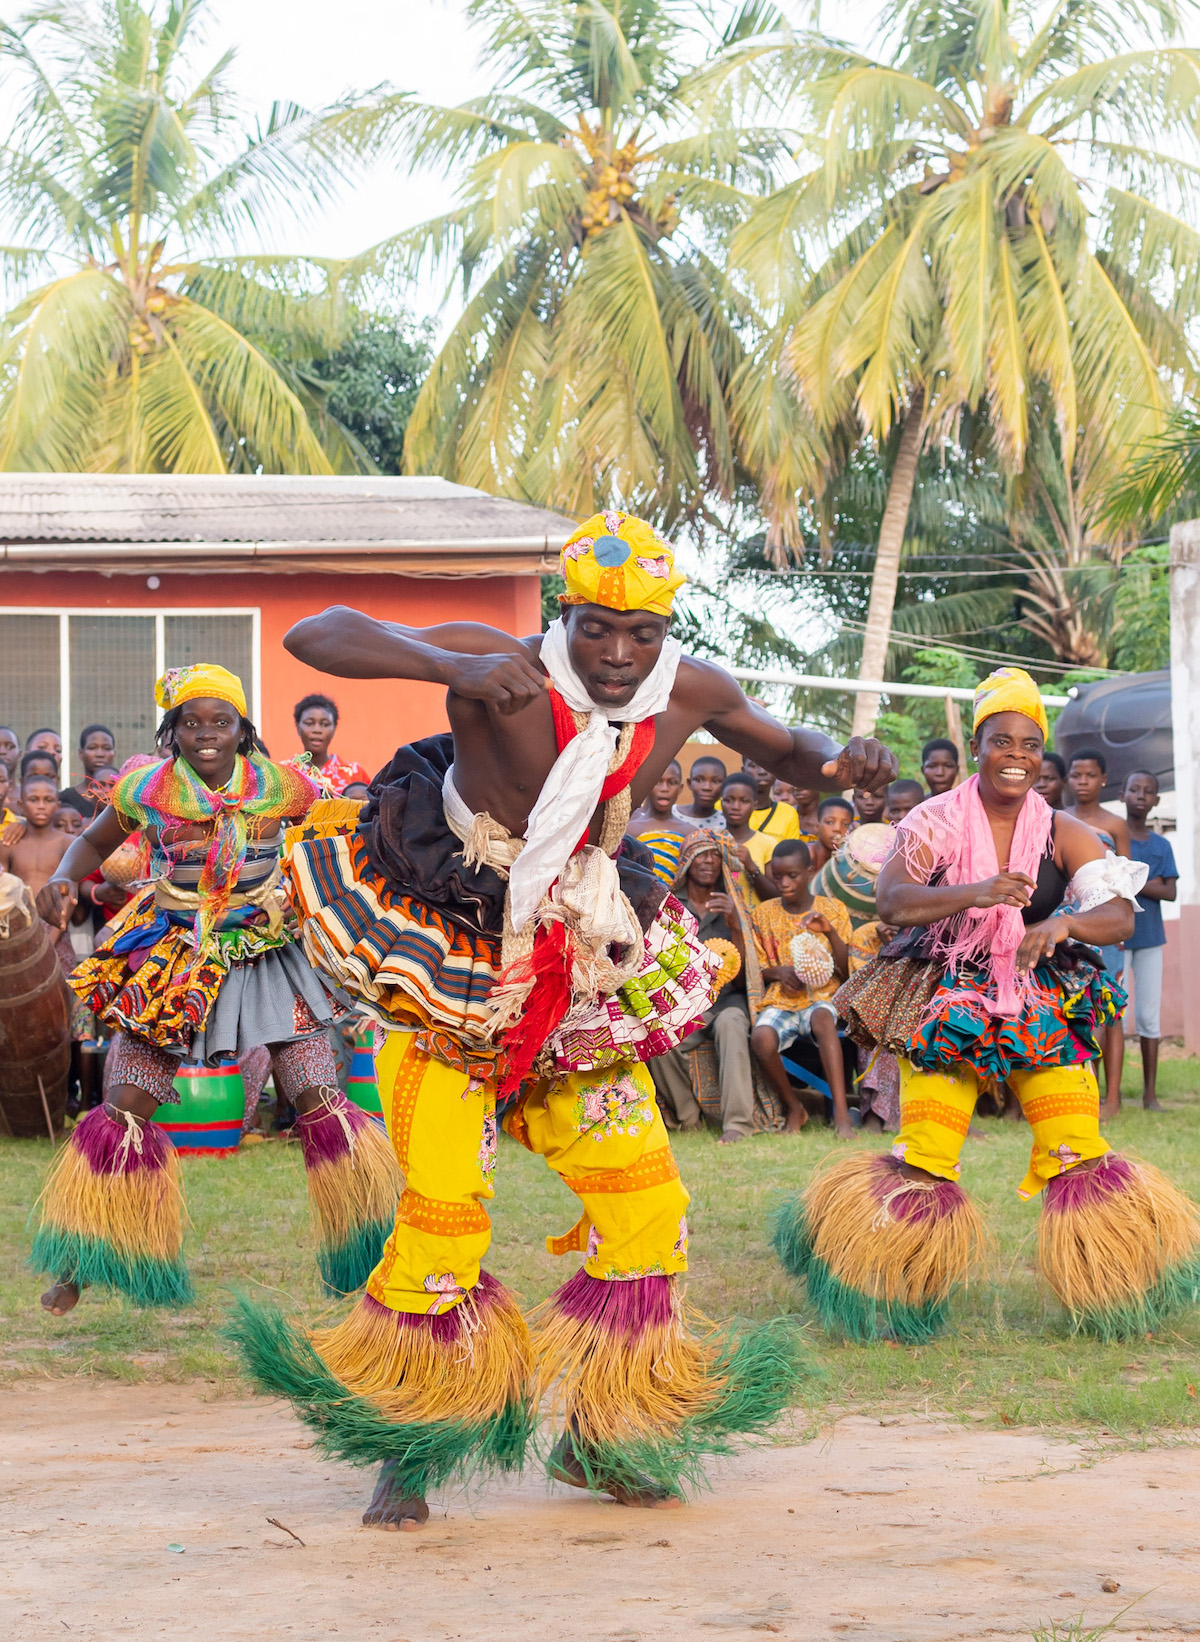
201, 963
1001, 902
525, 972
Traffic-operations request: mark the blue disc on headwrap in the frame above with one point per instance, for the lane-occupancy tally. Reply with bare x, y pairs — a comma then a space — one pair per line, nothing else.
611, 551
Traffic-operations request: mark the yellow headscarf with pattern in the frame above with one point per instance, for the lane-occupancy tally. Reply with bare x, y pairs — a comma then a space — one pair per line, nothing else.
205, 681
621, 563
1009, 690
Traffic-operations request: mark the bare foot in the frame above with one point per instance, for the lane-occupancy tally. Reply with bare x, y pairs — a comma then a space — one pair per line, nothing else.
795, 1121
1109, 1109
61, 1298
873, 1123
390, 1509
1151, 1103
563, 1466
844, 1131
731, 1137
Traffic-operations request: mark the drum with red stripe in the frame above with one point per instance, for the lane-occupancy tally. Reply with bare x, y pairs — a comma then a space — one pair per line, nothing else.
208, 1119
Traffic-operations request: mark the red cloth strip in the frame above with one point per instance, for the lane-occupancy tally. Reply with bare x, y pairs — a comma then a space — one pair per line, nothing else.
639, 750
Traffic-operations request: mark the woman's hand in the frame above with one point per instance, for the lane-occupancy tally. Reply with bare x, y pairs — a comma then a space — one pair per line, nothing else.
1007, 889
108, 895
1041, 940
56, 901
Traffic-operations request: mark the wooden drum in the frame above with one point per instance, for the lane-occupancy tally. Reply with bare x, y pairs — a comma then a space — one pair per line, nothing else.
35, 1017
212, 1103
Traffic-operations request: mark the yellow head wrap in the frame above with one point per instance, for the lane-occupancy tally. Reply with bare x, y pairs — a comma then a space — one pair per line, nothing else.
622, 563
1009, 690
203, 681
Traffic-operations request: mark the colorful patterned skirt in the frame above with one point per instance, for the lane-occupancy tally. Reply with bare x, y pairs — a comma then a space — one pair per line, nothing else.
246, 988
935, 1019
408, 963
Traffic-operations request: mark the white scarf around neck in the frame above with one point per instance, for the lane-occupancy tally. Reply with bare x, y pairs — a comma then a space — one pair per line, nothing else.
568, 799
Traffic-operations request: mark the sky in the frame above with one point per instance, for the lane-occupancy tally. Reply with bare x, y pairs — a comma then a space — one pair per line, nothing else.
312, 51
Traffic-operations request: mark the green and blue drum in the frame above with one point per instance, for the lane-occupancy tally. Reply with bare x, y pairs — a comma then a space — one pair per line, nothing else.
212, 1102
362, 1085
850, 876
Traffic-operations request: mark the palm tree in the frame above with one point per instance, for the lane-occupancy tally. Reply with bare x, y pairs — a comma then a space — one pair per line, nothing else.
590, 362
991, 216
137, 352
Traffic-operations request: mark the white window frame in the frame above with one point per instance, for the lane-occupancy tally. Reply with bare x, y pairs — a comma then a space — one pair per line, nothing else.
64, 613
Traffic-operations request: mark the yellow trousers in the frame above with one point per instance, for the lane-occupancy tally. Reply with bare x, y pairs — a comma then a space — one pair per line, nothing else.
1062, 1104
600, 1131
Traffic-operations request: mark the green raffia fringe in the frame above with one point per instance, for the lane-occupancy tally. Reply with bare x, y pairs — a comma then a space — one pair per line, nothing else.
91, 1262
763, 1368
348, 1427
844, 1310
346, 1266
1176, 1289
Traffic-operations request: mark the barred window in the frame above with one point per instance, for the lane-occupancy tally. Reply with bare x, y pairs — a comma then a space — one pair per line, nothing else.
70, 668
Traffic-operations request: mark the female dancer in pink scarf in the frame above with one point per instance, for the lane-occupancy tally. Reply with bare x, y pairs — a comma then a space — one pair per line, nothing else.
1001, 903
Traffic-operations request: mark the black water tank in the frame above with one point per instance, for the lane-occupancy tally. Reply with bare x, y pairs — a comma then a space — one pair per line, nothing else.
1129, 720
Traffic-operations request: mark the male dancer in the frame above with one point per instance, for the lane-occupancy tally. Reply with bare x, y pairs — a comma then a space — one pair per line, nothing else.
479, 913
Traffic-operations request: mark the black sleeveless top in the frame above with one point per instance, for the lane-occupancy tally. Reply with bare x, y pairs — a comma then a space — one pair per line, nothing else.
1051, 887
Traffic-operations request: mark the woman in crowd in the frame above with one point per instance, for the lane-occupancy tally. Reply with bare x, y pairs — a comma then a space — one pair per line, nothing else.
990, 976
316, 722
97, 751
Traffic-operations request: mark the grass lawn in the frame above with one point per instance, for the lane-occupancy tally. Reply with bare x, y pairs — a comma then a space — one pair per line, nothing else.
1009, 1360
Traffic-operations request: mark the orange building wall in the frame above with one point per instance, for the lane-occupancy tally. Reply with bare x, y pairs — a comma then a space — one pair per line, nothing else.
376, 716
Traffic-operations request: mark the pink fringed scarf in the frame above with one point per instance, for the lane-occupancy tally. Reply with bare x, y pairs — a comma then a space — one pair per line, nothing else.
951, 832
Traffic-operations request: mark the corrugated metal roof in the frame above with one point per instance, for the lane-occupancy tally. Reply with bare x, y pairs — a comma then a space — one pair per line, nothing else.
341, 513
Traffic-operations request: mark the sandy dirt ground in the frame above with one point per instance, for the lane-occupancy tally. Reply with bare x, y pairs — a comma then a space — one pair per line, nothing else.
142, 1512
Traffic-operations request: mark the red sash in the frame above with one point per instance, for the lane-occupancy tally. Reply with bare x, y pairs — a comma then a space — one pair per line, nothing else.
639, 749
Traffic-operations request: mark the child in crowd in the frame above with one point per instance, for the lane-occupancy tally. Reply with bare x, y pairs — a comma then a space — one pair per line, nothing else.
356, 789
776, 817
68, 820
10, 751
902, 796
45, 741
705, 783
834, 816
868, 806
1052, 783
35, 857
791, 1009
939, 765
1086, 777
738, 795
1144, 951
805, 801
658, 827
7, 816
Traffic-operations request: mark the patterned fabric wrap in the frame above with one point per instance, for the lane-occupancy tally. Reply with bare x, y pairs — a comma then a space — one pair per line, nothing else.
150, 980
161, 795
1061, 1021
665, 848
332, 777
700, 843
910, 1006
407, 965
